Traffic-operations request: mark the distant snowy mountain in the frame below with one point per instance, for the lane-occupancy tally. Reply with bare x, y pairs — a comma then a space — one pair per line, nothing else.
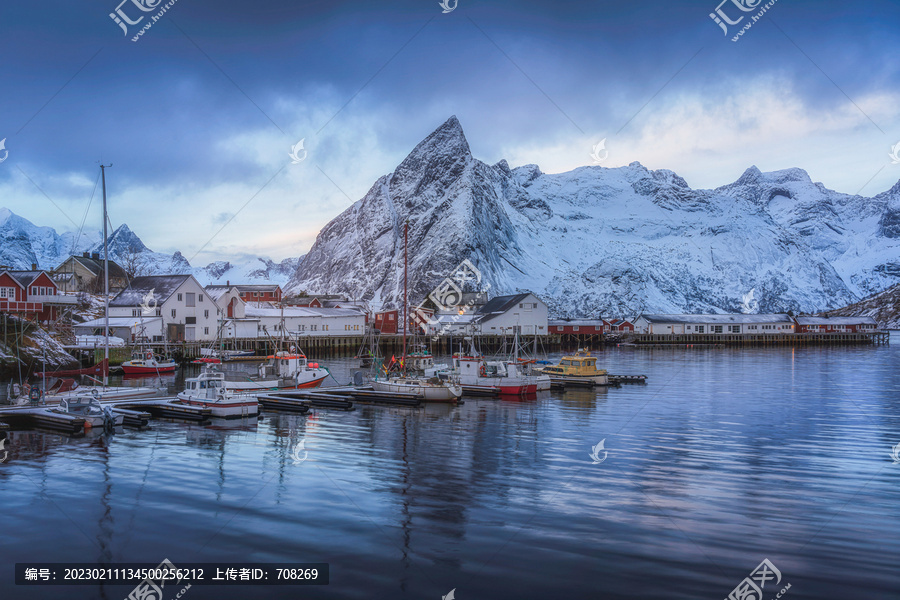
611, 241
23, 244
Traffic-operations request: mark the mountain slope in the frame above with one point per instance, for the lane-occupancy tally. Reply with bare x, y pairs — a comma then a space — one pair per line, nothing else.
884, 307
604, 240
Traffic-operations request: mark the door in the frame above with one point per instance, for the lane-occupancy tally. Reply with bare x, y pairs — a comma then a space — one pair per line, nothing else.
190, 334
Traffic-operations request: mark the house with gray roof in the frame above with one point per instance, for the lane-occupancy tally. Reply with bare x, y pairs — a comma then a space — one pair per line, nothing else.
658, 324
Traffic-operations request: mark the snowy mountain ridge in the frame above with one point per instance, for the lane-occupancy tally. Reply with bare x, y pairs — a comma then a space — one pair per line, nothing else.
607, 240
23, 244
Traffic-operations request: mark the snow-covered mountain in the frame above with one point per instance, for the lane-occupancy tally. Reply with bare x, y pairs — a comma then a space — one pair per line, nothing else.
23, 244
611, 241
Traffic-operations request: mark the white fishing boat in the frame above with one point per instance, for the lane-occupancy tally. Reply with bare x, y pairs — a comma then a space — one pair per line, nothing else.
504, 377
90, 409
432, 389
282, 370
208, 390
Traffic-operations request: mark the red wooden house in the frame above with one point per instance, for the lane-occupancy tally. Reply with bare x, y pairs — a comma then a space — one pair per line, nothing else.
835, 324
620, 325
260, 293
31, 295
386, 321
578, 326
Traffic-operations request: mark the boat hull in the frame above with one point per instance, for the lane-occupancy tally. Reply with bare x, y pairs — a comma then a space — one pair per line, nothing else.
144, 370
431, 393
583, 380
226, 409
268, 384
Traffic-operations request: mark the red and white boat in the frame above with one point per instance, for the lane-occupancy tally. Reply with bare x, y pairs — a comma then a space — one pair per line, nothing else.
479, 376
208, 391
283, 370
145, 363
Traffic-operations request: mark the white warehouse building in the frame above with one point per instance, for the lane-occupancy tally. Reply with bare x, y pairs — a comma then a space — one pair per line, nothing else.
714, 324
307, 321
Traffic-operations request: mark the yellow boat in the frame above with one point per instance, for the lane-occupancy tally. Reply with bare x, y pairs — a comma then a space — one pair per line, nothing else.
577, 369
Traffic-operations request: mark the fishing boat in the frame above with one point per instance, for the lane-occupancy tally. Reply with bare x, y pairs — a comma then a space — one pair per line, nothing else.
209, 391
479, 376
90, 409
577, 369
283, 370
414, 376
147, 363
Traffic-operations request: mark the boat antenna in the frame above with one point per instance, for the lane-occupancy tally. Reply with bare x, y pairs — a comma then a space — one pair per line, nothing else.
405, 296
105, 282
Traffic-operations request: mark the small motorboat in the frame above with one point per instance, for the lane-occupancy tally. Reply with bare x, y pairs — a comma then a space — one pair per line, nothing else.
577, 369
146, 363
89, 408
208, 390
282, 370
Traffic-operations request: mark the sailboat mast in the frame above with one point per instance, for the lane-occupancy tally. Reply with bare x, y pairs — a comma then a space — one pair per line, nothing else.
105, 283
405, 297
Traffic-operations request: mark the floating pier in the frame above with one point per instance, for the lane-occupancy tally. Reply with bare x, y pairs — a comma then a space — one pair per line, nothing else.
41, 417
301, 401
627, 378
166, 408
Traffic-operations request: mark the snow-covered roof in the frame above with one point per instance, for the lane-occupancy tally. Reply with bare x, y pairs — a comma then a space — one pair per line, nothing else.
162, 286
458, 319
258, 287
724, 319
499, 305
836, 321
301, 311
119, 322
217, 291
577, 322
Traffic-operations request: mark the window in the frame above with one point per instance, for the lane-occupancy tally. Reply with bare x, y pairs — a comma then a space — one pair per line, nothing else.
159, 312
313, 327
391, 317
521, 305
575, 328
135, 312
716, 329
190, 299
157, 338
700, 328
201, 297
255, 294
598, 328
205, 314
190, 320
179, 297
734, 329
173, 313
206, 331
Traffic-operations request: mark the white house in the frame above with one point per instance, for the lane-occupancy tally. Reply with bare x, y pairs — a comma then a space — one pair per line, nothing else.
307, 321
505, 315
130, 329
188, 312
714, 324
228, 299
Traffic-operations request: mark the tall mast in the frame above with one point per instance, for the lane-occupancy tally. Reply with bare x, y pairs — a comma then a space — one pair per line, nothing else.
105, 282
405, 297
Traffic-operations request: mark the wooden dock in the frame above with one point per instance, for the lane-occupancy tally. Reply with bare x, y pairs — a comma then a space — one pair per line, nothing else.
41, 417
165, 408
619, 379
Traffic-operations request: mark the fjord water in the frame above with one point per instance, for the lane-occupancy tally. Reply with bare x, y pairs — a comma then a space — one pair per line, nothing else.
724, 458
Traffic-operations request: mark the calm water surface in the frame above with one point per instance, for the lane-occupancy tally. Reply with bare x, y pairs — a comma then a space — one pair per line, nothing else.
724, 458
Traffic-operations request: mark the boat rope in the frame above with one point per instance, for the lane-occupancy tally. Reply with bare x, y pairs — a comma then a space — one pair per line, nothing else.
332, 376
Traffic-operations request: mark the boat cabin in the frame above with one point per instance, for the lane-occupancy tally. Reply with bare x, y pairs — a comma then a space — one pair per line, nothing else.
580, 364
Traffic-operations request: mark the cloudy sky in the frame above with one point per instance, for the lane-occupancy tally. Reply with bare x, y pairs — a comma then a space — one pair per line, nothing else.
198, 116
